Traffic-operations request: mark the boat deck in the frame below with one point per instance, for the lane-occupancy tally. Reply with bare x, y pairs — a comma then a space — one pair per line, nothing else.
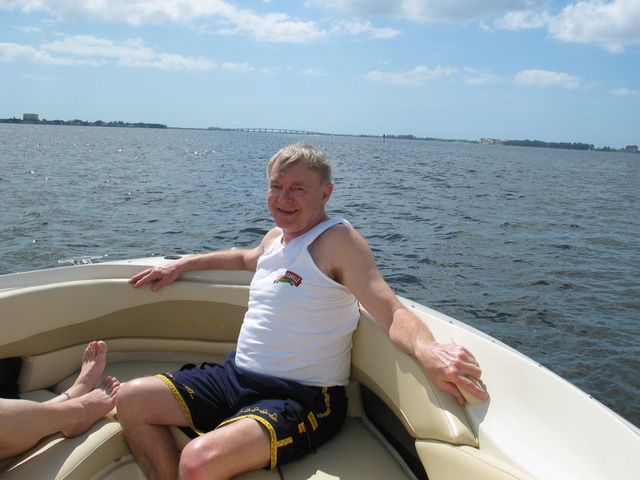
92, 455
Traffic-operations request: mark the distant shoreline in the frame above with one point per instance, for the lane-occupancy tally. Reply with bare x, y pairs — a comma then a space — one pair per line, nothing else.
82, 123
482, 141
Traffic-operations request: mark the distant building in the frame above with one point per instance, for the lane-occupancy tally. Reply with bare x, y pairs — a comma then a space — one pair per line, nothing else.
631, 149
492, 141
30, 117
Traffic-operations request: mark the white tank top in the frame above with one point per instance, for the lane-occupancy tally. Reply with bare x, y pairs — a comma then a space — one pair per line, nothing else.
300, 322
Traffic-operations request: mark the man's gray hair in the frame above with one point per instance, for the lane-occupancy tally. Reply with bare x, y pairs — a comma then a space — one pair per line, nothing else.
291, 154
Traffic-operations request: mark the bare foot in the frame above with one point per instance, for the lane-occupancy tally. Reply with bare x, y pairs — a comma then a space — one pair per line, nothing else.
94, 359
93, 406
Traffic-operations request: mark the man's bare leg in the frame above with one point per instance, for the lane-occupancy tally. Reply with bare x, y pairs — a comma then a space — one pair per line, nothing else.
238, 447
146, 407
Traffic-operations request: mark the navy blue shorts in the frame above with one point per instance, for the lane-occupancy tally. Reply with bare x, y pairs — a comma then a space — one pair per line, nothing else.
299, 418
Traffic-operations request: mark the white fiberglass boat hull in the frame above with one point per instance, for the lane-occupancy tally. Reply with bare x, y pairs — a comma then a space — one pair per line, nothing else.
535, 425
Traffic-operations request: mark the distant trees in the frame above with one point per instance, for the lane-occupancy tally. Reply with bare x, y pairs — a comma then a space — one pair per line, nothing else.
84, 123
541, 144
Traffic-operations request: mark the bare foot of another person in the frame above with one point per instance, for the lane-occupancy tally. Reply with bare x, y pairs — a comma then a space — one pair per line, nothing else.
92, 406
94, 359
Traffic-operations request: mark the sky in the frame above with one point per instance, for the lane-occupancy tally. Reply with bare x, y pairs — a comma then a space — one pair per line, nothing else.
557, 71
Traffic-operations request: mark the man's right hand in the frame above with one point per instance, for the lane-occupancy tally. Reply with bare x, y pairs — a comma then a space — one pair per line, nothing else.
161, 274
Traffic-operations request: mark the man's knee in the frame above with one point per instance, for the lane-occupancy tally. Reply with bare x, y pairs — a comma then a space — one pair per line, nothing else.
199, 460
239, 447
124, 401
131, 400
149, 400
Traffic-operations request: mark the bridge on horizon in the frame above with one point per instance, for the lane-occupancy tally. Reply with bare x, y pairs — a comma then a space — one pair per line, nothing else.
269, 130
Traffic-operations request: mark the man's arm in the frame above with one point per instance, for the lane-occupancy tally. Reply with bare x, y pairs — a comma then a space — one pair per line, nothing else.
232, 259
450, 366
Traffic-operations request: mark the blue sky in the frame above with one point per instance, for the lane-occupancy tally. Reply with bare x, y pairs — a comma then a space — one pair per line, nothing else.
456, 69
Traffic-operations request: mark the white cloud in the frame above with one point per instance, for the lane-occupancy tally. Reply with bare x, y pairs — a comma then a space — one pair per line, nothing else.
13, 52
479, 77
41, 78
272, 27
624, 92
545, 78
219, 16
356, 27
422, 74
522, 20
134, 12
94, 51
28, 29
237, 67
416, 77
612, 25
228, 18
421, 11
131, 53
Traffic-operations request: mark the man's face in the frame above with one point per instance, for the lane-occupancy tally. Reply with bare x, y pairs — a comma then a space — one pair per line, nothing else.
296, 198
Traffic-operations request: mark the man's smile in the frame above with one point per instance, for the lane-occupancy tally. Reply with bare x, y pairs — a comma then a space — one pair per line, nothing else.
282, 210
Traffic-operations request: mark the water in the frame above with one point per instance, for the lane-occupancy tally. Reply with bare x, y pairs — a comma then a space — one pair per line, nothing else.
536, 247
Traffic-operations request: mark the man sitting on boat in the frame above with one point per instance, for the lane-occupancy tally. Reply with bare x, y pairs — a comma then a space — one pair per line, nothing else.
281, 393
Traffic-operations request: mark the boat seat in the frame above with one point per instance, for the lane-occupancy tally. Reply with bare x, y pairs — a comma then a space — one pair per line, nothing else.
102, 453
427, 416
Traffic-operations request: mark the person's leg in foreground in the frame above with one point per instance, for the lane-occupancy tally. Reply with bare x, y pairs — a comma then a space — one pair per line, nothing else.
23, 423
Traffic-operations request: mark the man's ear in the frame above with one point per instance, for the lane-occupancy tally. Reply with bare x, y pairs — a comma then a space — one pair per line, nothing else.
328, 189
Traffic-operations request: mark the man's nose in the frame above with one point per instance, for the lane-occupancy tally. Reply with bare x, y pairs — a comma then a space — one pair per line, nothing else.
285, 193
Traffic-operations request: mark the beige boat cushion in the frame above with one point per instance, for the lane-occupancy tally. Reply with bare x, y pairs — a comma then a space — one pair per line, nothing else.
83, 457
426, 411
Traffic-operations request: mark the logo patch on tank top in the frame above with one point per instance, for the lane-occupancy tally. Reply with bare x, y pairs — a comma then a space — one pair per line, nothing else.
290, 278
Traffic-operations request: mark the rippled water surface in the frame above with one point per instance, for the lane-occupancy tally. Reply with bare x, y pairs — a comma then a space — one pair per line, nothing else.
536, 247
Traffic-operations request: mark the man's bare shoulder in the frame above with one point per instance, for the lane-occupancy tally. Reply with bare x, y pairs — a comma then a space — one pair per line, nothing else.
268, 239
338, 245
343, 235
251, 255
272, 234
